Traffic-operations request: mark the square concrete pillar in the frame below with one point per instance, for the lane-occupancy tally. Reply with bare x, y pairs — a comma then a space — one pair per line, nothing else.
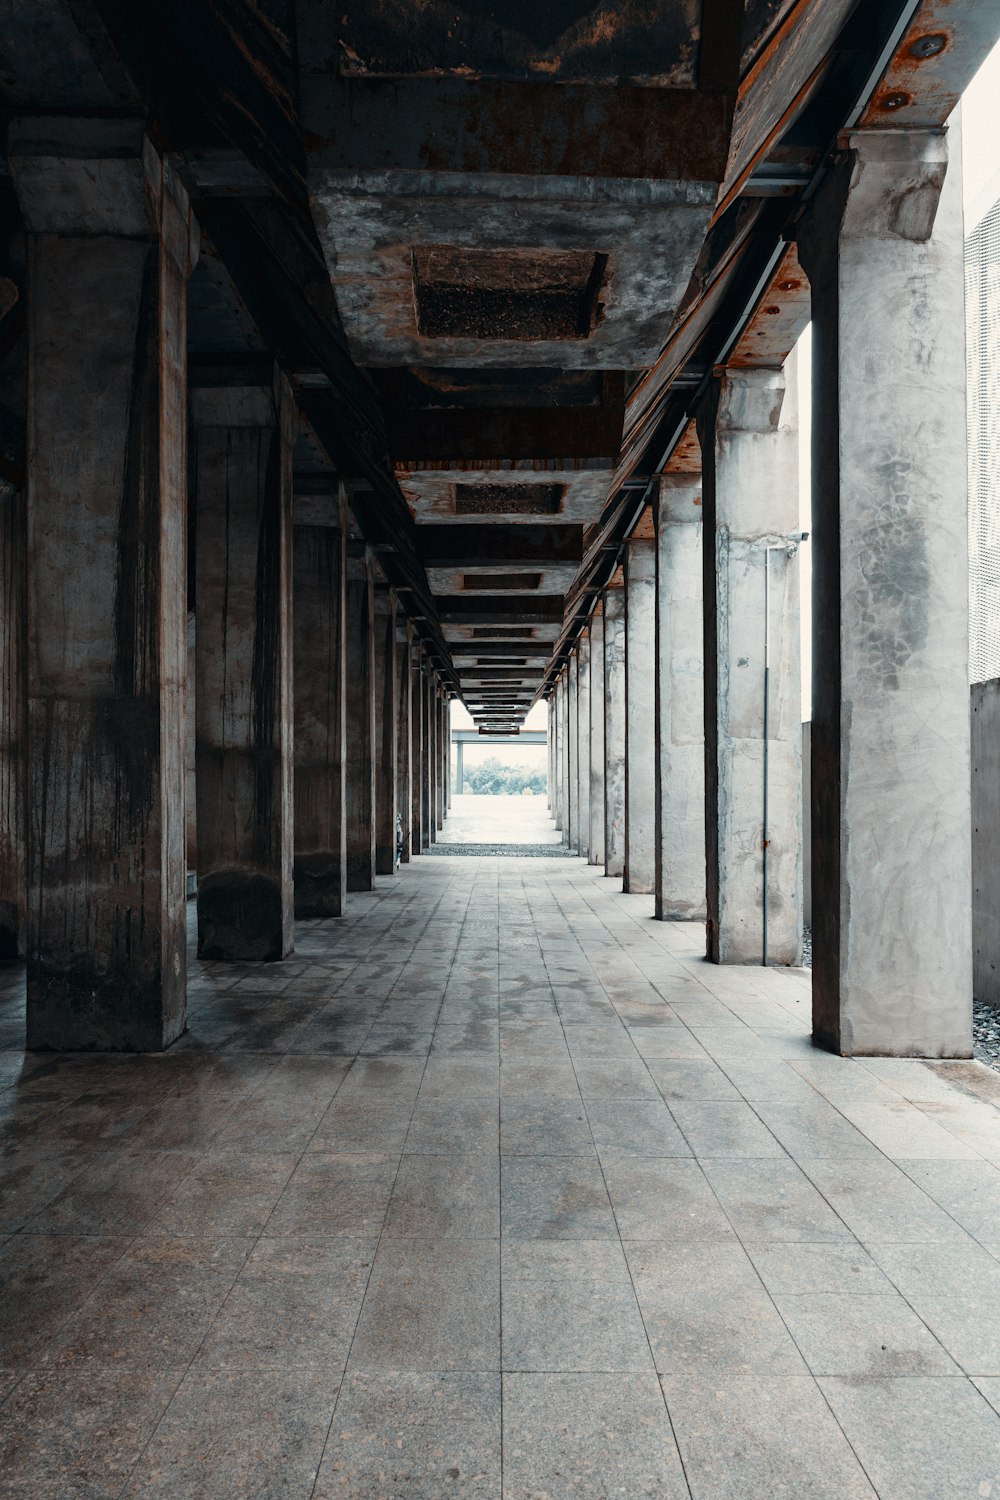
433, 750
417, 734
361, 752
562, 802
753, 721
320, 693
680, 701
111, 242
596, 840
386, 730
427, 834
404, 733
583, 739
892, 947
446, 748
13, 722
640, 710
573, 749
613, 605
243, 437
440, 770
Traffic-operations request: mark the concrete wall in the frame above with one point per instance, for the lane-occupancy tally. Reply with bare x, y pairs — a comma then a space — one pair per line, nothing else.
986, 841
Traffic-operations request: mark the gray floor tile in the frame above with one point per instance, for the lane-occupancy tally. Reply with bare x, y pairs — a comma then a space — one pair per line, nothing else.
863, 1335
622, 1078
637, 1126
691, 1078
919, 1439
570, 1306
419, 1436
154, 1306
118, 1195
555, 1198
585, 1437
543, 1125
773, 1200
225, 1193
442, 1127
705, 1310
762, 1439
663, 1042
230, 1434
552, 1076
800, 1268
724, 1129
72, 1433
335, 1193
296, 1301
878, 1202
43, 1280
431, 1305
813, 1128
445, 1197
662, 1198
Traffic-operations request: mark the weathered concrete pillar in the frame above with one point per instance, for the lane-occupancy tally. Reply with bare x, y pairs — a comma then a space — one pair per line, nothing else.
417, 741
361, 750
386, 730
243, 437
583, 739
441, 785
573, 748
110, 245
320, 692
613, 604
892, 948
404, 730
596, 842
447, 752
640, 710
426, 751
753, 734
680, 701
433, 746
562, 805
550, 736
13, 722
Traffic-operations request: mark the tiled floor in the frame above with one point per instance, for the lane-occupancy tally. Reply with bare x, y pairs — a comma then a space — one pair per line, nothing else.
496, 1189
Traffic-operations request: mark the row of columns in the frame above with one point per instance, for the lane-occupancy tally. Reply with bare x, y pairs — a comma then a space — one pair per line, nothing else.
694, 647
319, 720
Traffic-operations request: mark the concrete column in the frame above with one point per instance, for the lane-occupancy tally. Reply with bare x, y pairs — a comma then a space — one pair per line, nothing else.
386, 730
596, 841
613, 604
13, 722
361, 750
109, 250
442, 751
583, 739
460, 766
680, 702
404, 727
640, 710
573, 750
320, 692
426, 747
562, 807
433, 744
549, 746
243, 438
753, 733
890, 735
417, 741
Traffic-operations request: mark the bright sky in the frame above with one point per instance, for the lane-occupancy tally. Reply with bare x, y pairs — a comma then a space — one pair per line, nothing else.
980, 141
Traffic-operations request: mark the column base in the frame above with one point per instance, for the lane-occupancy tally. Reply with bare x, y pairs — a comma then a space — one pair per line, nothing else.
319, 887
242, 918
80, 1007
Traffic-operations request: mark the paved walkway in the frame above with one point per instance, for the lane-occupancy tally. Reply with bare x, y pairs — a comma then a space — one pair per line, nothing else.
498, 1189
498, 820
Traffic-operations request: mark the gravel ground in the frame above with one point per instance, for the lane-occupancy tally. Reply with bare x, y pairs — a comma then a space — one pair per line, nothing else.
985, 1018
